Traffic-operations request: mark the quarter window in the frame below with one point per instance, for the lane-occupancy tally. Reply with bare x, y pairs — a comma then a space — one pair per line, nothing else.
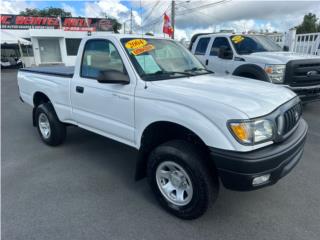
217, 44
100, 56
202, 46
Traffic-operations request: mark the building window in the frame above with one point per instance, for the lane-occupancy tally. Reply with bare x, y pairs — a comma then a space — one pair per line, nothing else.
27, 50
72, 45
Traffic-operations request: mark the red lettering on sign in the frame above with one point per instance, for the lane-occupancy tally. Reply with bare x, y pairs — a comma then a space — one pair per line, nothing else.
5, 19
28, 20
52, 21
19, 20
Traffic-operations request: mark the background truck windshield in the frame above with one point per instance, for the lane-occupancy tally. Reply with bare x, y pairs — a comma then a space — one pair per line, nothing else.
255, 43
158, 59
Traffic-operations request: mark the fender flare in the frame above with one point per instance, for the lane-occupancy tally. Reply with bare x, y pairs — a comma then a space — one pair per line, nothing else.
251, 69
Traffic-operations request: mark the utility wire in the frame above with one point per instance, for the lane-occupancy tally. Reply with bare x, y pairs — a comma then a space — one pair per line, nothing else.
149, 14
191, 10
156, 20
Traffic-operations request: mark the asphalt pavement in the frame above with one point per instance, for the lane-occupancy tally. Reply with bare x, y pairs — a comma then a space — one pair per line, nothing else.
85, 189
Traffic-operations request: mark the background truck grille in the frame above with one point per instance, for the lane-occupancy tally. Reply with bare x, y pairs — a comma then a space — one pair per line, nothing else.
303, 72
291, 118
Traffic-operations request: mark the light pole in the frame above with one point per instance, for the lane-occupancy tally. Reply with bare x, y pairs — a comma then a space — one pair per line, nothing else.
124, 26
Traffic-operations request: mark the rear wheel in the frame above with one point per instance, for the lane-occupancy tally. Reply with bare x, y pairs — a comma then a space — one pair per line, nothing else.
51, 130
180, 180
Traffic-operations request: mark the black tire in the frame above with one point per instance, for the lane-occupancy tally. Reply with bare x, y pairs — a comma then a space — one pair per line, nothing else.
204, 181
57, 128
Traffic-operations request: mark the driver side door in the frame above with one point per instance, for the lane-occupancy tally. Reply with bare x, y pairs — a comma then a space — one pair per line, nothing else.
104, 108
216, 63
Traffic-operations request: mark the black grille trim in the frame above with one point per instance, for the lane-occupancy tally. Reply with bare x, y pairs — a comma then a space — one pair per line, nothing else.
297, 72
291, 118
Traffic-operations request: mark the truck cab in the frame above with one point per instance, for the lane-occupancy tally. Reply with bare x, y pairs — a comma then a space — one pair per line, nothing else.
192, 128
258, 57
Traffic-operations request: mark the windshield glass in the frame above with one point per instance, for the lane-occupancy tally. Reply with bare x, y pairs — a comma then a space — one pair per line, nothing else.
255, 43
158, 59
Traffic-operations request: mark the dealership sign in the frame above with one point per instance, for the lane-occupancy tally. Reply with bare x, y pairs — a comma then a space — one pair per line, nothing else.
65, 23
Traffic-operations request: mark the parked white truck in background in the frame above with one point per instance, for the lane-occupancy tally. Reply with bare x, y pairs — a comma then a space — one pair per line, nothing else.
190, 126
258, 57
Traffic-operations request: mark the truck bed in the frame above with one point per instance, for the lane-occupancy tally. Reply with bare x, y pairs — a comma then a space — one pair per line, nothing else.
60, 71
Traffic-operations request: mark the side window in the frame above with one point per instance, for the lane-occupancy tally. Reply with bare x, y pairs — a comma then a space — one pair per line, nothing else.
202, 46
99, 56
217, 43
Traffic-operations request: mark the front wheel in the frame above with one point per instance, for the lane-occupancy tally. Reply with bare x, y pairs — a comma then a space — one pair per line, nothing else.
51, 130
181, 181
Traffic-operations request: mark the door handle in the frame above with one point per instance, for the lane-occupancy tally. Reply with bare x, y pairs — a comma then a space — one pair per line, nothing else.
207, 62
79, 89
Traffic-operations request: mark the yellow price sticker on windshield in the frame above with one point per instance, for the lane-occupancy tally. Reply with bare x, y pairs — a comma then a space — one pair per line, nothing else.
237, 39
136, 43
144, 49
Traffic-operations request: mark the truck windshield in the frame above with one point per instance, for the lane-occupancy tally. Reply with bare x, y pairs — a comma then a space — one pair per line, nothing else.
159, 59
255, 43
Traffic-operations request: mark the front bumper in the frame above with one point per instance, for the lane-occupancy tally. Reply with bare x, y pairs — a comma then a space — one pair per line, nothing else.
307, 94
238, 169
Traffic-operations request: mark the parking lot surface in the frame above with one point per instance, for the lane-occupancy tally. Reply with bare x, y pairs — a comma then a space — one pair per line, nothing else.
85, 189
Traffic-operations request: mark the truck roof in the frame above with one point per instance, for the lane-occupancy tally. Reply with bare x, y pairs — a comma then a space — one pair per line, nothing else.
120, 36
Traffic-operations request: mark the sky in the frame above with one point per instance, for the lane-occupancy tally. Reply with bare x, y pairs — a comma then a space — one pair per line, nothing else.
192, 16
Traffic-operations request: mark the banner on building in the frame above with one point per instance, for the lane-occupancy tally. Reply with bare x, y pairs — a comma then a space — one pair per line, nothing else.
19, 22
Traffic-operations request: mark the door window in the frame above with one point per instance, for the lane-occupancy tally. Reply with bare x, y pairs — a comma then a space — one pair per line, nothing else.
202, 46
217, 44
100, 56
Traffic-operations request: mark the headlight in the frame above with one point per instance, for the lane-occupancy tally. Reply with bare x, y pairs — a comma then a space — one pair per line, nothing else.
252, 132
275, 72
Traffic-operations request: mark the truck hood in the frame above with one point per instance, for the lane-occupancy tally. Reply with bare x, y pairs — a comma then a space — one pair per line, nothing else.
276, 57
251, 97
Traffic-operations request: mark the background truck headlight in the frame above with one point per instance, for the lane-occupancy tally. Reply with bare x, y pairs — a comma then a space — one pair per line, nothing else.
252, 132
275, 73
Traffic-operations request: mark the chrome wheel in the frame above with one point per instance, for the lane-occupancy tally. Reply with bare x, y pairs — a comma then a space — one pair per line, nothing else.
174, 183
44, 125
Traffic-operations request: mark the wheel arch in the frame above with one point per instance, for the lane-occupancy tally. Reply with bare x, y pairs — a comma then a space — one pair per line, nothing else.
159, 132
251, 71
38, 98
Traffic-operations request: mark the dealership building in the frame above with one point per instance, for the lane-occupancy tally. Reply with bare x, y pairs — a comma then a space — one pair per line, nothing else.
47, 40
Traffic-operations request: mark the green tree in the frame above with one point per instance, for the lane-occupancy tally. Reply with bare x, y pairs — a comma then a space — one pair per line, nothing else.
309, 25
46, 12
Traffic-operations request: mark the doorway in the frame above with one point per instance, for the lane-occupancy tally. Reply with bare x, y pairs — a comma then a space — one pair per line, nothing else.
50, 50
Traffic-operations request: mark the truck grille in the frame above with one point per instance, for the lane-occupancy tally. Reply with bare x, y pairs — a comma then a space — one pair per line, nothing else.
290, 118
303, 72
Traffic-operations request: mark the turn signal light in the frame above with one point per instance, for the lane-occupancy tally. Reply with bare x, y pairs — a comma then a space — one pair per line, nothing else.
241, 131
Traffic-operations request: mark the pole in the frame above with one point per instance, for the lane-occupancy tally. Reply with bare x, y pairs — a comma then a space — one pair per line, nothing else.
124, 27
131, 21
173, 5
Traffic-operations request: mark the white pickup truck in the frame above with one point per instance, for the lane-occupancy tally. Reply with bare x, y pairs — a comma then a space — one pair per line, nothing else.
258, 57
191, 128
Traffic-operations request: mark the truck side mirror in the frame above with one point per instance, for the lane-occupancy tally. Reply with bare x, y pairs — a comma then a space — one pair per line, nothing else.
285, 48
225, 53
113, 77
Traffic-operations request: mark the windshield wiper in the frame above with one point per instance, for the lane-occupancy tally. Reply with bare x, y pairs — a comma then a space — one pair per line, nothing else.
195, 69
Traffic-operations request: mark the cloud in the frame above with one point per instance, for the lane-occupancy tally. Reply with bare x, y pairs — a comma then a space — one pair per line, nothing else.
14, 7
70, 9
112, 8
192, 17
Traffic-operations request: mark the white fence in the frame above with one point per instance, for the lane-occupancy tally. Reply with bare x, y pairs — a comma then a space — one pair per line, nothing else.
300, 43
307, 44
